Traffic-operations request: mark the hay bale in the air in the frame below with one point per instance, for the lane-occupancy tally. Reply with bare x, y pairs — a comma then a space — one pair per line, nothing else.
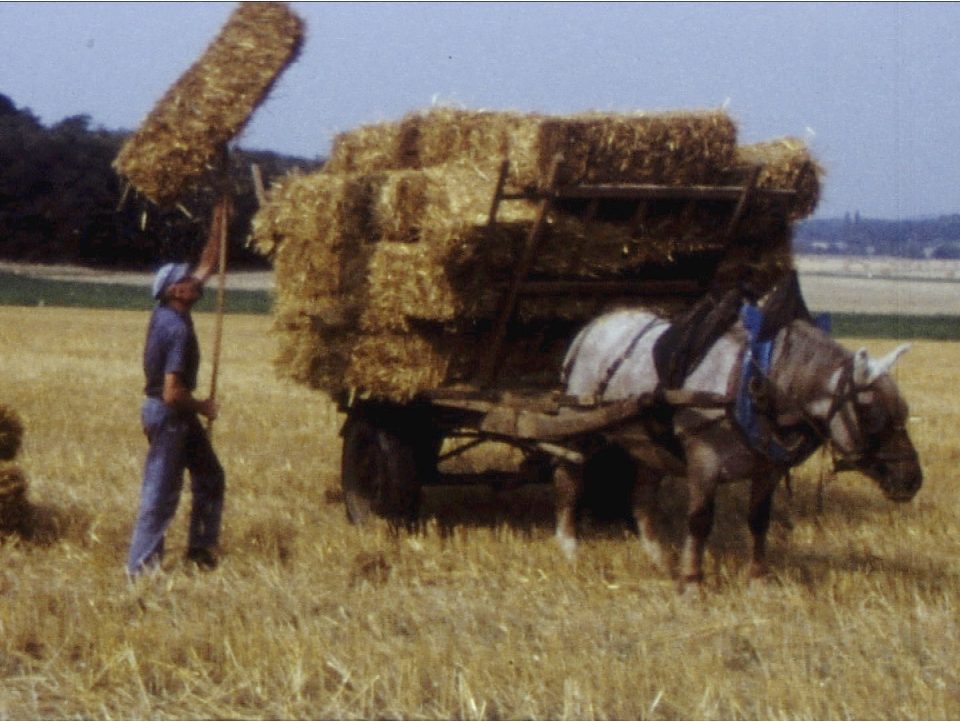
11, 433
671, 147
14, 508
182, 139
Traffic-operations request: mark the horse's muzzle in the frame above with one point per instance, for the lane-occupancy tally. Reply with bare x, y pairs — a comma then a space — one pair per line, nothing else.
903, 480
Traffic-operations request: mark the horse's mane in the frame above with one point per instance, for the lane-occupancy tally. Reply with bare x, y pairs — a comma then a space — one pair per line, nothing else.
807, 353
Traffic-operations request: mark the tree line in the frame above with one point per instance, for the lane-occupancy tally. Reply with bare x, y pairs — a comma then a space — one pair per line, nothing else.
62, 202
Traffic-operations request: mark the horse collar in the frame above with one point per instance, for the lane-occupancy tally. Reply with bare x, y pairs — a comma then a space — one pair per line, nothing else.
754, 417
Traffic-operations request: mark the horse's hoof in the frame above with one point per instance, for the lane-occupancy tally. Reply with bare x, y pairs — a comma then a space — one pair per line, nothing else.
662, 559
690, 586
759, 571
568, 546
761, 581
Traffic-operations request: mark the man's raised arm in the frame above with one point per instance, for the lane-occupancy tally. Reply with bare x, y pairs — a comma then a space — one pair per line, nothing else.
210, 256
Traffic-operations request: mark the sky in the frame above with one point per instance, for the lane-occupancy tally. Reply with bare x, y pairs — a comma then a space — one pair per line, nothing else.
873, 88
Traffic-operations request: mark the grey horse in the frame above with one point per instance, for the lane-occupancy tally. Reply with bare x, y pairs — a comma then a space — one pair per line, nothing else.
815, 390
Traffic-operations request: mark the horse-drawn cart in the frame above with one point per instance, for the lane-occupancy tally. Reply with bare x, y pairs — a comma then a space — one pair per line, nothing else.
391, 450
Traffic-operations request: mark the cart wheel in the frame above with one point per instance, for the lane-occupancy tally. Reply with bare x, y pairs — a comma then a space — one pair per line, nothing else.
378, 474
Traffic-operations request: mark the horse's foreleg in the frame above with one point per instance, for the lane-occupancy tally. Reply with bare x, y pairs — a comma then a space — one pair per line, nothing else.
761, 502
699, 525
650, 519
568, 485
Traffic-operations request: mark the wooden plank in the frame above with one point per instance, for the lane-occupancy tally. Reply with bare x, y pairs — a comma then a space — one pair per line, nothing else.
638, 219
695, 399
577, 248
749, 190
498, 193
610, 288
645, 191
521, 423
491, 367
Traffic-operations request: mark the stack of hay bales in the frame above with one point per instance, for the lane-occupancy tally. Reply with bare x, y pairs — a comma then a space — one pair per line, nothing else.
182, 140
13, 482
388, 278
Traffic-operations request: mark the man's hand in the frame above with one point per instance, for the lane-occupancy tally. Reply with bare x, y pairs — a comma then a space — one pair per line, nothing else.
209, 408
177, 395
209, 257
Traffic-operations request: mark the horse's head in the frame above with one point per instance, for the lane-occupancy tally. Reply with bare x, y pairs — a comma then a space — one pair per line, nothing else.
869, 427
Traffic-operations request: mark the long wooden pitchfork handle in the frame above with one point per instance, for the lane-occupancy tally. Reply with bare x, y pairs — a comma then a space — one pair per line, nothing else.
223, 213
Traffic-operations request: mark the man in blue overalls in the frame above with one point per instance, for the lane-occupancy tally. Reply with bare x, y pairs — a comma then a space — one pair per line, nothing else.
170, 417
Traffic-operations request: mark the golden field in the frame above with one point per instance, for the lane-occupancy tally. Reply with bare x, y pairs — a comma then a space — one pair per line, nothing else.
476, 617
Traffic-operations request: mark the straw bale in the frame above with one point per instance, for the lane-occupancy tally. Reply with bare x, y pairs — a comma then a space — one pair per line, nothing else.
13, 497
182, 139
313, 227
311, 352
11, 432
409, 281
304, 230
411, 201
367, 149
756, 263
785, 164
444, 135
397, 366
670, 147
434, 137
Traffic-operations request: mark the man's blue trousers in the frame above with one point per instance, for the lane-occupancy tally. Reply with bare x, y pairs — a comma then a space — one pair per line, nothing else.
178, 442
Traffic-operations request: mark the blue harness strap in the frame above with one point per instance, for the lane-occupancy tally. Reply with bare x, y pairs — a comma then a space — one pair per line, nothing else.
756, 364
757, 359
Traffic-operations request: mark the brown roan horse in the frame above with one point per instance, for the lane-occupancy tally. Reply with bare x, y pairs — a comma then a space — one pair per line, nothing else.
814, 388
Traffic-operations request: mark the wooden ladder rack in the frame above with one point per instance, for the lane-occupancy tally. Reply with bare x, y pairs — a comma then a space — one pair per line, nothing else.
594, 194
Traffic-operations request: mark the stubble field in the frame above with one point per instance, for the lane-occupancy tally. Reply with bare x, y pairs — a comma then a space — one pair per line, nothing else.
477, 616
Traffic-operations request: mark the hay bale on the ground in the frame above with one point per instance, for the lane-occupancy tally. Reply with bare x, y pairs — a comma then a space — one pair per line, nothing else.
182, 139
11, 433
14, 509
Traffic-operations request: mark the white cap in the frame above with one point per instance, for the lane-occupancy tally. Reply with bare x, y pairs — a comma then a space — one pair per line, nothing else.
167, 276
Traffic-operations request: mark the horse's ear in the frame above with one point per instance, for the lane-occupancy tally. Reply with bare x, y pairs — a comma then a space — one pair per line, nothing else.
866, 370
861, 367
886, 363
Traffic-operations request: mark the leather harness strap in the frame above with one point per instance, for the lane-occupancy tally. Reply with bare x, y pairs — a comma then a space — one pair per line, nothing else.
627, 352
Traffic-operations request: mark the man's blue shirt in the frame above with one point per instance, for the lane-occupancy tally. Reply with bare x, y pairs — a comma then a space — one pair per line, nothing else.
171, 347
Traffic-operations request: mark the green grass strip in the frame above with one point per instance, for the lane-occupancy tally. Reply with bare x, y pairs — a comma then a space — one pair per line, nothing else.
932, 328
17, 290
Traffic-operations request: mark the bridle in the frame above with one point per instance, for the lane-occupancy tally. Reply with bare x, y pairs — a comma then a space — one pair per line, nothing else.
865, 448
